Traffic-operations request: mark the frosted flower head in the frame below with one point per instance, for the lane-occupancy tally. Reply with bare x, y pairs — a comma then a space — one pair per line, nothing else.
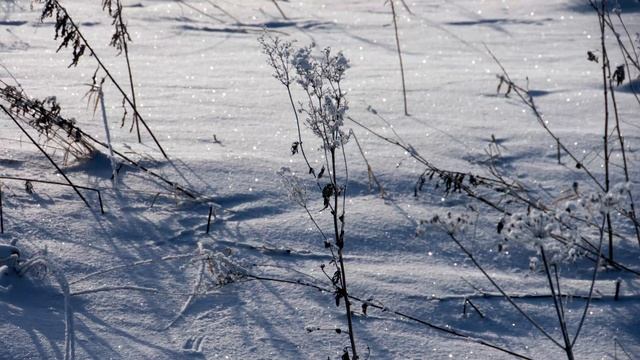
451, 223
555, 231
222, 269
532, 226
614, 198
591, 204
320, 77
307, 69
334, 67
302, 60
278, 57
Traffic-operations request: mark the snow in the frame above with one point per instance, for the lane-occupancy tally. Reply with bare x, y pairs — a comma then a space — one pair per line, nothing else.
146, 281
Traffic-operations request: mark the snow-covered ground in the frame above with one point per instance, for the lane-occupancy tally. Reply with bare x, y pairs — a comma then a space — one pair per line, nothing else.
205, 89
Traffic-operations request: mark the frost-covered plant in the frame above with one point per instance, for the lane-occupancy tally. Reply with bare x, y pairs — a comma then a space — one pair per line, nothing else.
44, 116
319, 76
296, 188
451, 223
221, 271
535, 229
560, 230
70, 35
120, 40
327, 104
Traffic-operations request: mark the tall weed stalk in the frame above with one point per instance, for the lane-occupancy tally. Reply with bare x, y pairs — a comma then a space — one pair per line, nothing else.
324, 108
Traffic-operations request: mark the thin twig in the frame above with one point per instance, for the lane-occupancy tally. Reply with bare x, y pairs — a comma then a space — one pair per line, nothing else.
563, 325
372, 175
528, 100
406, 7
1, 212
506, 296
605, 67
618, 129
593, 282
279, 9
16, 178
446, 329
395, 27
125, 47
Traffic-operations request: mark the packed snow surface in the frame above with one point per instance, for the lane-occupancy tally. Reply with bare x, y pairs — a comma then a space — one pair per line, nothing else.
145, 280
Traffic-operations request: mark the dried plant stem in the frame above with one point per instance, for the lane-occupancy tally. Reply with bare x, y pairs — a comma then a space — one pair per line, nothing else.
625, 166
527, 99
506, 296
295, 112
500, 186
69, 333
372, 175
605, 66
1, 213
339, 238
592, 251
113, 80
445, 329
632, 213
395, 28
626, 55
224, 12
75, 188
633, 58
279, 9
173, 185
90, 140
617, 343
200, 11
406, 7
441, 173
593, 282
464, 307
69, 328
491, 295
209, 218
313, 220
4, 177
125, 47
557, 302
114, 167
